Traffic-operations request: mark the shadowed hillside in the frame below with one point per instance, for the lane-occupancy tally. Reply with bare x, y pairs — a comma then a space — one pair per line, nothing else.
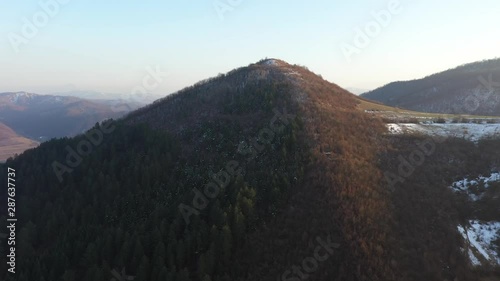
43, 117
468, 89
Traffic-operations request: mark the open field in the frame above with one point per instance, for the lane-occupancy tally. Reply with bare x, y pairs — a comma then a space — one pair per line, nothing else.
396, 114
12, 144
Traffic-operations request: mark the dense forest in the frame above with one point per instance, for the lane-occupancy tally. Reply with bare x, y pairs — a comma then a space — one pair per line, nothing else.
427, 211
120, 207
468, 89
240, 177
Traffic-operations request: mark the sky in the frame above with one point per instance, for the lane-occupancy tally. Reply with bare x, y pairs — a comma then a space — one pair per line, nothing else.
50, 46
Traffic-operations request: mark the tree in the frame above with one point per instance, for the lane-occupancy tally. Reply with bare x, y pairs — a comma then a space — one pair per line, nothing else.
183, 275
180, 254
227, 245
143, 271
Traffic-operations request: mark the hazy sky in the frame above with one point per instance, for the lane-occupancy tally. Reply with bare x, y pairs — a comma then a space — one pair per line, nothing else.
107, 45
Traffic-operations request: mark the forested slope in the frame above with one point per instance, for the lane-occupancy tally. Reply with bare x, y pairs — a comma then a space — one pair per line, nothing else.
240, 177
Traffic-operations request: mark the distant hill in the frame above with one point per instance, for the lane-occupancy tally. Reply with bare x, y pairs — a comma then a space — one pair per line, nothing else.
43, 117
101, 96
11, 143
468, 89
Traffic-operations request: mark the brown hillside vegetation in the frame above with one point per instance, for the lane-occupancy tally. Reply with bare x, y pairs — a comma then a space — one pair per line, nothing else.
268, 172
341, 193
427, 212
12, 144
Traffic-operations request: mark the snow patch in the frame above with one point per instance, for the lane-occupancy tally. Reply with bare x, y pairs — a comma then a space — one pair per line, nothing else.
473, 258
465, 185
480, 237
470, 131
293, 73
395, 129
271, 62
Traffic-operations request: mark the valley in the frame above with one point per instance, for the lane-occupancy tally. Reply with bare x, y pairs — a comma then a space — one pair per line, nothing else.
42, 117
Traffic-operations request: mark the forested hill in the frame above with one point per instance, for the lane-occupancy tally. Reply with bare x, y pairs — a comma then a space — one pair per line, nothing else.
468, 89
245, 176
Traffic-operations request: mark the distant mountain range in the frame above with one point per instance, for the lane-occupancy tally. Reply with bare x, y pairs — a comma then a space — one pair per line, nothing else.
468, 89
43, 117
96, 95
12, 144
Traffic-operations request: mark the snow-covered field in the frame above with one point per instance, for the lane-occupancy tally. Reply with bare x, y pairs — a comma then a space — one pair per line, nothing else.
475, 187
470, 131
480, 238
